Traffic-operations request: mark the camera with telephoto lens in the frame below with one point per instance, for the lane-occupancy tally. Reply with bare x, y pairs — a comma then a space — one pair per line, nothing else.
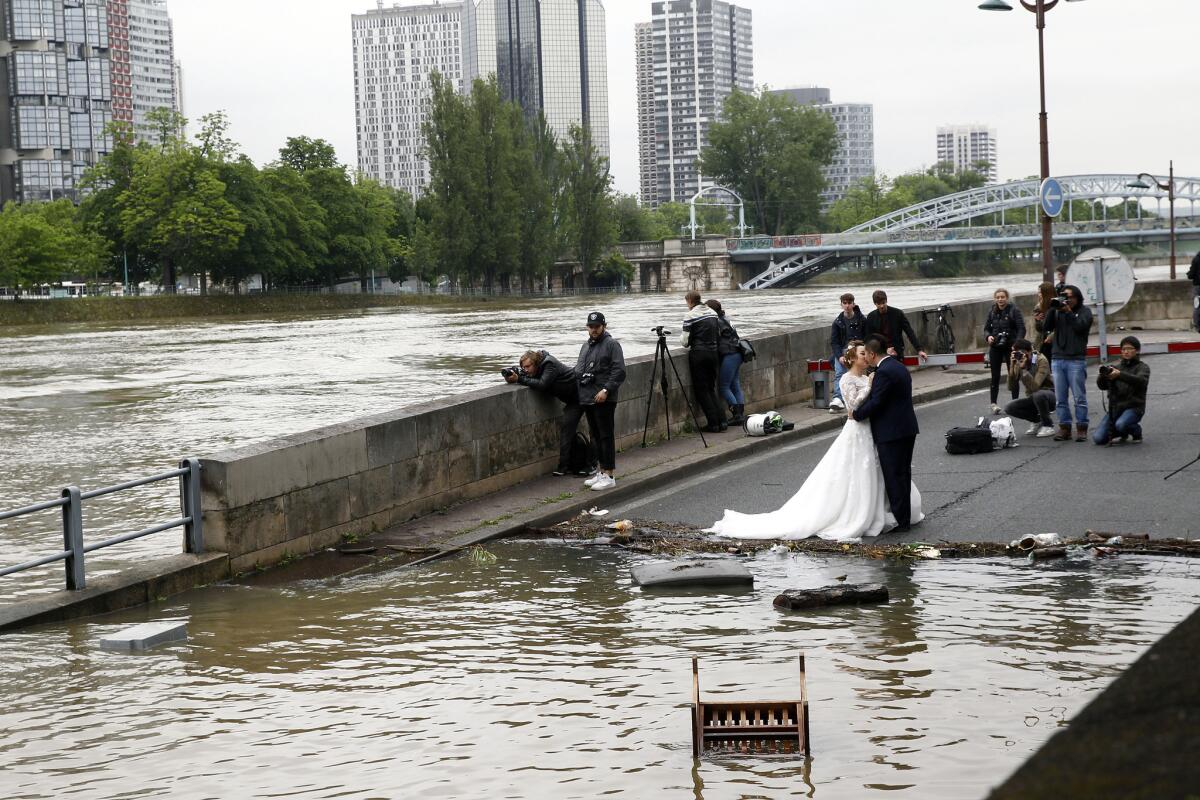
1105, 369
1059, 302
508, 372
587, 379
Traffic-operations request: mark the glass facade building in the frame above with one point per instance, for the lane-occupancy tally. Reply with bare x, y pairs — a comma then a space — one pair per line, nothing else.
701, 51
395, 51
548, 55
56, 96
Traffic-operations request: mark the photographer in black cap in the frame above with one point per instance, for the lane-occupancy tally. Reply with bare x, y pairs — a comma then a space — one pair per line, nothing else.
544, 373
599, 373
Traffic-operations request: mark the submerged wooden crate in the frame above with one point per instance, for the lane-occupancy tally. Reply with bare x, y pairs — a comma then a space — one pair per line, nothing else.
749, 727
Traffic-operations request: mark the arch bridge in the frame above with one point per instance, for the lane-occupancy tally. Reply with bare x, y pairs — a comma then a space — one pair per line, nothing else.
1010, 211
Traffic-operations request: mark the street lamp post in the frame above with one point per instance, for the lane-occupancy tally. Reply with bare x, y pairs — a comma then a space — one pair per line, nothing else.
1038, 7
1169, 187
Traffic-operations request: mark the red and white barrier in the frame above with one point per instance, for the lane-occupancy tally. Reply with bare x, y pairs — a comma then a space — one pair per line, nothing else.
954, 359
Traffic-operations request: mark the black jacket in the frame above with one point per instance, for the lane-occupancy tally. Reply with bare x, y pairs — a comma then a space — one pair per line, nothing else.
552, 377
1009, 321
845, 331
891, 328
889, 406
1194, 273
1070, 329
701, 329
1128, 390
601, 365
728, 342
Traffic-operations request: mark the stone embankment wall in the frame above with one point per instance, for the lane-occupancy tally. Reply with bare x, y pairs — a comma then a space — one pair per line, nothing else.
305, 492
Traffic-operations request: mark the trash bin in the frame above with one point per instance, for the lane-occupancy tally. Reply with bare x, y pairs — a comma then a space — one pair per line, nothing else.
820, 382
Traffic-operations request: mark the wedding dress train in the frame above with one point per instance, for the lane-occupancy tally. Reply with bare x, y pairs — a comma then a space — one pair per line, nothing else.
843, 499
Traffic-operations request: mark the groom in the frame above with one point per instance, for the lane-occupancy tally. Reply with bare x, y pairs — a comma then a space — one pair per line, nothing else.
893, 427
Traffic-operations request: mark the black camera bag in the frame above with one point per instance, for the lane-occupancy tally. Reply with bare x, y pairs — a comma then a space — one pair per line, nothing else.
965, 441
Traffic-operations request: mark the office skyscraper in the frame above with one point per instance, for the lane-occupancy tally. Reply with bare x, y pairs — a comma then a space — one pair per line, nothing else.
643, 36
855, 158
396, 50
152, 62
55, 96
968, 147
548, 55
702, 50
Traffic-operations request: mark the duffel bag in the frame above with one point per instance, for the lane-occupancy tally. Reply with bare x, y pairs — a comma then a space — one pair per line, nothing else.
962, 441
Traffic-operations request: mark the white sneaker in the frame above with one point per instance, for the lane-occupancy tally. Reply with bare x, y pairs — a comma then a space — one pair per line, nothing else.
996, 410
836, 404
1033, 429
592, 480
604, 482
1045, 430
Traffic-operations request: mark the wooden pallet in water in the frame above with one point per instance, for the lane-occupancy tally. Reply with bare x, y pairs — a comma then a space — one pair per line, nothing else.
749, 727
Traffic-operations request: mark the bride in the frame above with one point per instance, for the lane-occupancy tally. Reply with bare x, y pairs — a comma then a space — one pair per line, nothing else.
844, 497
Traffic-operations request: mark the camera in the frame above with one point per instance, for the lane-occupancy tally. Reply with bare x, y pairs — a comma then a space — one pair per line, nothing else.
1105, 369
508, 372
660, 330
587, 379
1002, 339
1059, 302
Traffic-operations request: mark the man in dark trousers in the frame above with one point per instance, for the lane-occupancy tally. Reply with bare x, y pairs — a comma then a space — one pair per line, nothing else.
889, 406
892, 326
1194, 276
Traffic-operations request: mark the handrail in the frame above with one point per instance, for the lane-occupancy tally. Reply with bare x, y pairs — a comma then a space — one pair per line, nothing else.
71, 503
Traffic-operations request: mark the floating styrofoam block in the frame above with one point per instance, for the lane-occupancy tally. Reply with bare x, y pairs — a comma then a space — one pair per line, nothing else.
692, 572
145, 636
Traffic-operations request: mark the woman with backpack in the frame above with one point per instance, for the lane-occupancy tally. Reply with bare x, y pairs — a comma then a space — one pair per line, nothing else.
731, 362
1003, 327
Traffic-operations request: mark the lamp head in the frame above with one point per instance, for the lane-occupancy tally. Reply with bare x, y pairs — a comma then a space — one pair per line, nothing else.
1137, 184
995, 5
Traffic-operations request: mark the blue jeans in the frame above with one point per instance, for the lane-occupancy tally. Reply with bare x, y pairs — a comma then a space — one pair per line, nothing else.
1129, 423
727, 380
1070, 375
839, 369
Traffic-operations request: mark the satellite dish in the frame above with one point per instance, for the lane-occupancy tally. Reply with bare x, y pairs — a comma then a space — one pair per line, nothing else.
1117, 275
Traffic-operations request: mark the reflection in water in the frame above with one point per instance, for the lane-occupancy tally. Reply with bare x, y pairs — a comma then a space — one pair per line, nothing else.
548, 674
98, 404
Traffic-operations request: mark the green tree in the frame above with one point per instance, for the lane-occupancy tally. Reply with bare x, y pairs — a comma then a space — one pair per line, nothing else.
454, 164
864, 201
302, 153
588, 219
634, 223
540, 165
32, 250
772, 151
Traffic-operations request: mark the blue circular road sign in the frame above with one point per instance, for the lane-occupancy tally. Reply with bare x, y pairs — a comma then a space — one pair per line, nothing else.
1053, 197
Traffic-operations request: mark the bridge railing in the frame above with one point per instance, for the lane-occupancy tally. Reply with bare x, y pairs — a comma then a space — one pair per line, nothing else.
71, 503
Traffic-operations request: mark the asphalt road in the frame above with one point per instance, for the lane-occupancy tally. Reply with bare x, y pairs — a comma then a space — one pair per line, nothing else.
1039, 486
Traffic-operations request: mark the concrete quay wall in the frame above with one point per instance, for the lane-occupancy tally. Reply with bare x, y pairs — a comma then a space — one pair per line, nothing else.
305, 492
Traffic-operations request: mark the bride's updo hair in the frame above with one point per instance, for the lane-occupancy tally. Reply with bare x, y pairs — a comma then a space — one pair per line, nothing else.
851, 354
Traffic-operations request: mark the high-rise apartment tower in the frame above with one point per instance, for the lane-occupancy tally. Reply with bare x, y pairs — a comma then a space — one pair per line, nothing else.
55, 96
152, 64
701, 51
968, 147
396, 50
855, 157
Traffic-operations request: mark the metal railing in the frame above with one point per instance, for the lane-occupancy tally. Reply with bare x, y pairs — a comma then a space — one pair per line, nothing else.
71, 503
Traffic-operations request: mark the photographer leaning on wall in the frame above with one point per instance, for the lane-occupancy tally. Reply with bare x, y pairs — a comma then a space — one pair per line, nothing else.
1031, 369
543, 372
1126, 383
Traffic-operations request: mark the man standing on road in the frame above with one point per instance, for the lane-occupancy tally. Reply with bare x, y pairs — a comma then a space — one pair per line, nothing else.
850, 325
1070, 321
1194, 276
892, 326
599, 373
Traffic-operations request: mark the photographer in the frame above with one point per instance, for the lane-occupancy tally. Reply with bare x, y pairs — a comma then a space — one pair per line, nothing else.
599, 373
1070, 321
1004, 326
701, 336
1031, 369
543, 372
1126, 384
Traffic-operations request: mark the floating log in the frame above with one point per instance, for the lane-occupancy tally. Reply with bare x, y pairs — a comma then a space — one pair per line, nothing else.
692, 572
838, 595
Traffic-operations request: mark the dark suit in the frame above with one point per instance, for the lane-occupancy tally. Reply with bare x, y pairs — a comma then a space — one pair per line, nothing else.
889, 406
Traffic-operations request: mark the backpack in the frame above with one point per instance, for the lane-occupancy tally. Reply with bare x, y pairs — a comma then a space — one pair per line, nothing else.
583, 454
965, 441
746, 349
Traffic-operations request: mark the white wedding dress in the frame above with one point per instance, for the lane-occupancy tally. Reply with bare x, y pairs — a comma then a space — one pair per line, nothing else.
843, 498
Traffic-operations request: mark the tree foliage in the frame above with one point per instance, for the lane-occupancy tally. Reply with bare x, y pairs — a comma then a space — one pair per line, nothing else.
771, 151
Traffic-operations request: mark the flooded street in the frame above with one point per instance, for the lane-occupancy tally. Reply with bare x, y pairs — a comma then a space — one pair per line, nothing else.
97, 404
547, 675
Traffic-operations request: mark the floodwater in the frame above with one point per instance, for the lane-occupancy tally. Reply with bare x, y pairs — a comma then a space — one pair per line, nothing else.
99, 404
548, 675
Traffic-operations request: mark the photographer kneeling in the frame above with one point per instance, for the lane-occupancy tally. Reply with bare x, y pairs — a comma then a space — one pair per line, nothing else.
541, 371
1032, 370
1126, 384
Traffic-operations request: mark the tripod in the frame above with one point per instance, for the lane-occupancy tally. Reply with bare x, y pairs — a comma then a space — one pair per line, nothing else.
662, 356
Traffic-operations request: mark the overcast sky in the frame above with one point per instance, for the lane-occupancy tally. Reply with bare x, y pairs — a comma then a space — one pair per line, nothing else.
1123, 87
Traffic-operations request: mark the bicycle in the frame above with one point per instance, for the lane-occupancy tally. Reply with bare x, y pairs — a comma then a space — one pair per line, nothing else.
943, 335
